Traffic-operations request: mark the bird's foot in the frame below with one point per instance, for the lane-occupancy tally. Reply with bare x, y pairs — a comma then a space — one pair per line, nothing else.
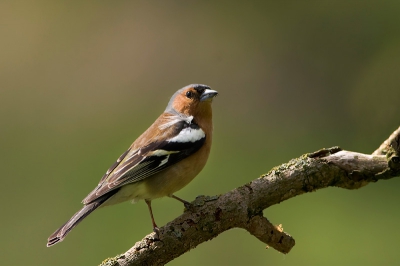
188, 205
156, 230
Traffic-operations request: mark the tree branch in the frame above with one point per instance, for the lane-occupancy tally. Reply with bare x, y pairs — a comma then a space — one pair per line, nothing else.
393, 140
243, 206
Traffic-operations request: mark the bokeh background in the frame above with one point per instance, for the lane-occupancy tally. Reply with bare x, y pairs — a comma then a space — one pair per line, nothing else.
80, 80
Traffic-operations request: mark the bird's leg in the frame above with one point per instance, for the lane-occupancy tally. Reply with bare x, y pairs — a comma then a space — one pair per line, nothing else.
186, 203
155, 227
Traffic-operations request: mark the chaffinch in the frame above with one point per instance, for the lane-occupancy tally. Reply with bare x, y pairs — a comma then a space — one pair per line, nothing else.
164, 159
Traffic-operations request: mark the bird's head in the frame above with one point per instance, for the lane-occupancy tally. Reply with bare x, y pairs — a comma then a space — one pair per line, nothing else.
192, 99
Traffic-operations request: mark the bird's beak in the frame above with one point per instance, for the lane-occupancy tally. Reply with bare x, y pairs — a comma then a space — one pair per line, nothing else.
208, 95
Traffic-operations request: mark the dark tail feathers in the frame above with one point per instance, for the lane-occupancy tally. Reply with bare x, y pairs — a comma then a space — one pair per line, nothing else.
62, 232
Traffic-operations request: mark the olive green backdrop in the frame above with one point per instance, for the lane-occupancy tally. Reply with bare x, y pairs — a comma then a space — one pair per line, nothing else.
79, 81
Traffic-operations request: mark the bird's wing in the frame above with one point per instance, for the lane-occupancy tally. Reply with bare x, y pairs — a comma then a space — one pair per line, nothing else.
136, 165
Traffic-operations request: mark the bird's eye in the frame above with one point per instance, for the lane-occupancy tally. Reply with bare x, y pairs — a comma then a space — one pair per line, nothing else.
189, 94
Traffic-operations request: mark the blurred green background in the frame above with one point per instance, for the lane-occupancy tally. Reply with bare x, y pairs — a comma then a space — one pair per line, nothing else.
79, 81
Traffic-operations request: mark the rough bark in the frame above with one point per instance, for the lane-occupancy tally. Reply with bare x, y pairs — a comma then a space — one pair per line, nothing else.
243, 206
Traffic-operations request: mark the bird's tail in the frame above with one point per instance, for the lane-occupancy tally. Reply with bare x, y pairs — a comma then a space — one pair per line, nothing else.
62, 232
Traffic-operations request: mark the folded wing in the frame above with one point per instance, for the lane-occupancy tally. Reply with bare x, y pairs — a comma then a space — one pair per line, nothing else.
136, 165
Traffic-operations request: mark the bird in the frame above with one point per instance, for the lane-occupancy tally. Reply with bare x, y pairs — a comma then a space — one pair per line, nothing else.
161, 161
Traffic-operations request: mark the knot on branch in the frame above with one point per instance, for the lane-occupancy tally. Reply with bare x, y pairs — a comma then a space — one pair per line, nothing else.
394, 163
